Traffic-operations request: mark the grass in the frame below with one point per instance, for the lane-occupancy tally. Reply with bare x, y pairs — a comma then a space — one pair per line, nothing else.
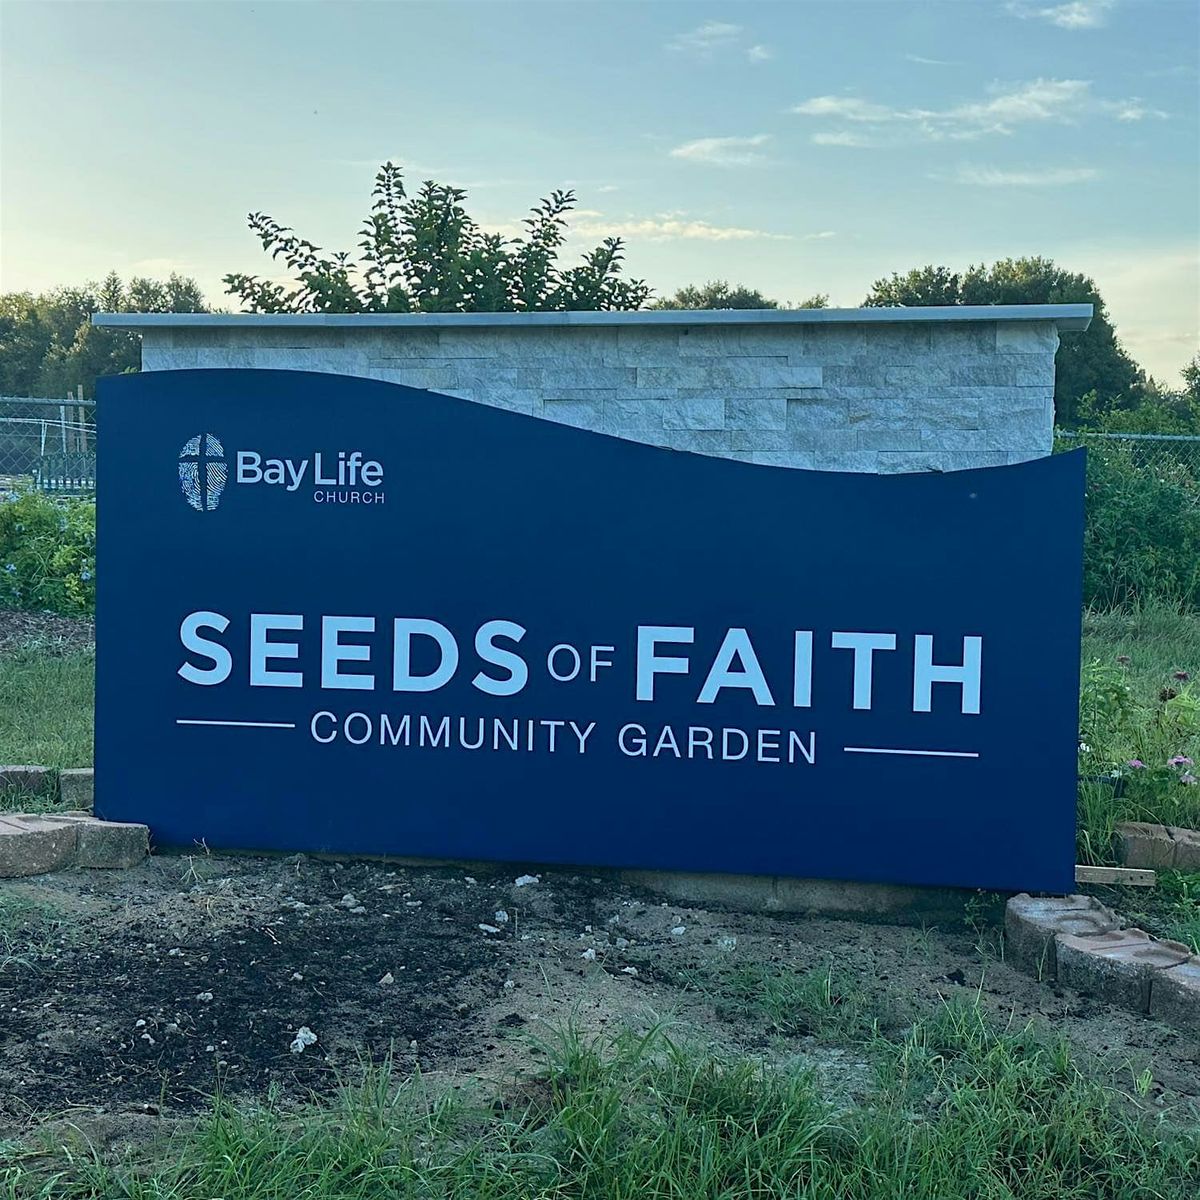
958, 1109
1135, 707
1157, 638
27, 931
822, 1002
46, 707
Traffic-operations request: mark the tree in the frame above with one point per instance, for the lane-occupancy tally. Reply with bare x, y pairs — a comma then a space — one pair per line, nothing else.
1092, 361
48, 344
719, 293
1160, 409
423, 253
918, 288
1191, 380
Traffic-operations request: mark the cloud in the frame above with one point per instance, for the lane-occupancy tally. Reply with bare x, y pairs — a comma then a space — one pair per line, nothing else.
849, 108
1033, 177
1062, 101
706, 38
713, 38
928, 62
818, 237
1132, 110
671, 227
1078, 14
843, 138
723, 151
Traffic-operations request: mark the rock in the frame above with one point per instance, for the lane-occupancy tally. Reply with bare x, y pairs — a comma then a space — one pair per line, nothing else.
76, 789
1031, 925
304, 1037
33, 845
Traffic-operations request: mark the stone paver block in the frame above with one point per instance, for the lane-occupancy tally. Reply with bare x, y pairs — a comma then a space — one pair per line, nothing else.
25, 781
1032, 923
113, 844
106, 844
1187, 848
1175, 996
1117, 967
76, 788
33, 845
1138, 844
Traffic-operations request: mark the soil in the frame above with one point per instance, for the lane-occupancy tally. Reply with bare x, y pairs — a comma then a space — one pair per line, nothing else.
45, 631
143, 991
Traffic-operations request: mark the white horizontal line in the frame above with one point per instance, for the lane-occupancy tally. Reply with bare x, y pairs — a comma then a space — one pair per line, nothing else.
243, 724
927, 753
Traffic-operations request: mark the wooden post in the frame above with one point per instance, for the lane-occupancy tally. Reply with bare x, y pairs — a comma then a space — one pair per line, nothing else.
1123, 876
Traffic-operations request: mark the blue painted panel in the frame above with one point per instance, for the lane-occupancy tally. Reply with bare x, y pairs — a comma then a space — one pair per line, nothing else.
697, 581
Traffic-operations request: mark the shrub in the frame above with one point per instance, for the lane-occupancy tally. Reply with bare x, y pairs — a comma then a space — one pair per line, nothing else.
48, 554
1142, 540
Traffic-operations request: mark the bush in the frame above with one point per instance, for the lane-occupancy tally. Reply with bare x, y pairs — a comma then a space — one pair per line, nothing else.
1142, 540
48, 554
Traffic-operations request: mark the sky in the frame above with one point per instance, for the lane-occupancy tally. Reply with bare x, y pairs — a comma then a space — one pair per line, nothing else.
798, 146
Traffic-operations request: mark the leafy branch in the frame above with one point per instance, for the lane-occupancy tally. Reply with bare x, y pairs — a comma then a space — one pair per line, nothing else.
424, 253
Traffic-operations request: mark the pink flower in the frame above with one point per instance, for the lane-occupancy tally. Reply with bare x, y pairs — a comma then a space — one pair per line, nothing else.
1182, 676
1123, 659
1188, 777
1179, 760
1136, 763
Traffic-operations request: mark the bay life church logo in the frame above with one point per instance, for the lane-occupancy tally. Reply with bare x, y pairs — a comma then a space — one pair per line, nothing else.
203, 471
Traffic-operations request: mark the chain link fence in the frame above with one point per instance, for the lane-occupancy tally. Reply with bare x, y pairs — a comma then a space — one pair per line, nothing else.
1173, 454
48, 444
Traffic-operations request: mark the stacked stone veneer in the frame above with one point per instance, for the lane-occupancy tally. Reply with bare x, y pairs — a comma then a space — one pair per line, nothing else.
839, 395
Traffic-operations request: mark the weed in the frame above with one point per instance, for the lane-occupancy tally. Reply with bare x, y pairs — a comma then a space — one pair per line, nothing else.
960, 1109
820, 1002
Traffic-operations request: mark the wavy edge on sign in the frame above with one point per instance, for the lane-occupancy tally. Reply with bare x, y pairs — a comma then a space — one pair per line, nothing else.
109, 384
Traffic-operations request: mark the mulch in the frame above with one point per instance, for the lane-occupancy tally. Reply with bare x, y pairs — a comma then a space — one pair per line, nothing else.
45, 632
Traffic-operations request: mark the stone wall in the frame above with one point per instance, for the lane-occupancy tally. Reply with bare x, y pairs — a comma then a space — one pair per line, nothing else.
842, 391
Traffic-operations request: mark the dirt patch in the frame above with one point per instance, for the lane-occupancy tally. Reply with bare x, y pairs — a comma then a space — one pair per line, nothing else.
45, 632
143, 991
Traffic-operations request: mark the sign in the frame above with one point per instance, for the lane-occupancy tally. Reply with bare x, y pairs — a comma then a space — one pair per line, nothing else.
343, 615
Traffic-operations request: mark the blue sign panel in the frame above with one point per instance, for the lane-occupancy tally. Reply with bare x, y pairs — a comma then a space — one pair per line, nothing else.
342, 615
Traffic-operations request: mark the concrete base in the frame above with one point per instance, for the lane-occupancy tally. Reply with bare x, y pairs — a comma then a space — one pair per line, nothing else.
896, 903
